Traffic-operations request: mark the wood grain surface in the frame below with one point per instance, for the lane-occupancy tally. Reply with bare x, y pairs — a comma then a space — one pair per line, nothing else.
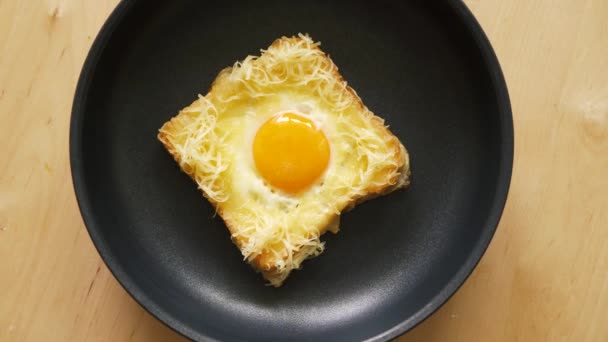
543, 278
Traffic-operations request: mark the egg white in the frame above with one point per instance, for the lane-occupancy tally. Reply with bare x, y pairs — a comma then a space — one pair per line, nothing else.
241, 131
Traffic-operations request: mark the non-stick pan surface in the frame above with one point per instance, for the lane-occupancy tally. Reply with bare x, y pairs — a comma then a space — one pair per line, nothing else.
424, 66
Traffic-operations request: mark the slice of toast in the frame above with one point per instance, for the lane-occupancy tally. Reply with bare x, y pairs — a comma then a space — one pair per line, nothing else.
211, 138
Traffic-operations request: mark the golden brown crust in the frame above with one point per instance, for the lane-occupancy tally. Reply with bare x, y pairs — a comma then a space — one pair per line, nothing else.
396, 177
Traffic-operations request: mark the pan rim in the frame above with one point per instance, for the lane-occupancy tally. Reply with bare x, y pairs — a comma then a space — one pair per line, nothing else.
503, 180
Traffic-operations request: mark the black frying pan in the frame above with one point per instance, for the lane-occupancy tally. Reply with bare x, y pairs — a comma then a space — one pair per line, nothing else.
425, 66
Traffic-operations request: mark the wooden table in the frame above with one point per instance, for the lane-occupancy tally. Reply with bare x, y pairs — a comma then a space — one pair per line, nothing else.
544, 277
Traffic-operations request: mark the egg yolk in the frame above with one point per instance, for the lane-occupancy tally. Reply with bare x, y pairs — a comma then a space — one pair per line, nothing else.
290, 152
